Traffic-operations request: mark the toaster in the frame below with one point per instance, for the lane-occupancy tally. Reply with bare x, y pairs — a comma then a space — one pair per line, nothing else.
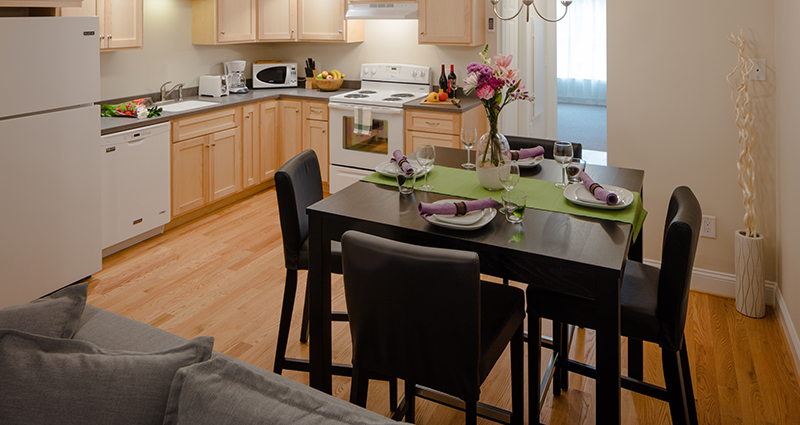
213, 85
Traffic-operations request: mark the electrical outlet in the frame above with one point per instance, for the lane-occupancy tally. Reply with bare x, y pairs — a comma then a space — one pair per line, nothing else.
759, 72
709, 229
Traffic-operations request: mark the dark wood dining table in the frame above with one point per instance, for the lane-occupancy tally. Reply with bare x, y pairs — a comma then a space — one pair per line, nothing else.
579, 255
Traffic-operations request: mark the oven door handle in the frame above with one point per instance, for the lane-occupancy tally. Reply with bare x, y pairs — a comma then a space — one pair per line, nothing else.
375, 109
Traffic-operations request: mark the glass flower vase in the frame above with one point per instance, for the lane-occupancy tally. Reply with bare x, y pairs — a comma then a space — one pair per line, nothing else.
492, 151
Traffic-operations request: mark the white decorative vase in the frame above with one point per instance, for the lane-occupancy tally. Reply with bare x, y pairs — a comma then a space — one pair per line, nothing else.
487, 171
749, 275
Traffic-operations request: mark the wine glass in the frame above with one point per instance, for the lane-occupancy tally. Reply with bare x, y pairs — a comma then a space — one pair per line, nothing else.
508, 174
425, 156
468, 138
562, 153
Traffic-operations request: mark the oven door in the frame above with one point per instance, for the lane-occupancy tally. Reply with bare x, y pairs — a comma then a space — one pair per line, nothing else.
364, 150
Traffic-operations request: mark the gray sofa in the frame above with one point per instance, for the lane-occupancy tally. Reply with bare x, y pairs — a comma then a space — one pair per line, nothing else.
212, 389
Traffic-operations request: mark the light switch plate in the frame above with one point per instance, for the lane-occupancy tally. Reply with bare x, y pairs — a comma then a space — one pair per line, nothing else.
759, 72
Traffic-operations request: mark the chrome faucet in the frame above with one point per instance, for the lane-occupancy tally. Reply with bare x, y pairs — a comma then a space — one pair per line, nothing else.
165, 93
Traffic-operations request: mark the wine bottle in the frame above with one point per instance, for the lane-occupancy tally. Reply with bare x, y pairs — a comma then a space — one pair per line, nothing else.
443, 82
453, 84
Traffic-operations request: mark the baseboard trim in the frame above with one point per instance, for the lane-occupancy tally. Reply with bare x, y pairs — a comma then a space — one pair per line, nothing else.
718, 283
788, 327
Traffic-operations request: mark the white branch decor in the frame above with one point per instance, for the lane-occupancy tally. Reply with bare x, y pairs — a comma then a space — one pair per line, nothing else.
739, 80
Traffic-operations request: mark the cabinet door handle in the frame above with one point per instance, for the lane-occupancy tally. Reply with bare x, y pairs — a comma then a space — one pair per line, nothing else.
318, 111
432, 123
247, 116
213, 144
297, 110
340, 31
222, 32
208, 146
109, 36
102, 37
422, 32
323, 131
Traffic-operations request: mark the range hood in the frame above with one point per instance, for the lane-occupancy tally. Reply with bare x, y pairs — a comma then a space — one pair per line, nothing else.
382, 11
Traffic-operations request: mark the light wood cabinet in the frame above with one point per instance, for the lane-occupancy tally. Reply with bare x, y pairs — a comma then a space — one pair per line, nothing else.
206, 159
277, 20
269, 160
251, 175
248, 21
440, 128
290, 130
223, 21
315, 133
464, 26
121, 25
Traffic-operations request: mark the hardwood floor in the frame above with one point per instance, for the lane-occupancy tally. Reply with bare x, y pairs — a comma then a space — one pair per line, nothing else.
222, 275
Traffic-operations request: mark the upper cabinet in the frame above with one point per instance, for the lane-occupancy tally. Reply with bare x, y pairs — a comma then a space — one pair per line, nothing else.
247, 21
460, 29
120, 21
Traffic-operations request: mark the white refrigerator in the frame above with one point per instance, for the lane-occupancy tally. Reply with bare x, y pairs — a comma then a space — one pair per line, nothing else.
49, 155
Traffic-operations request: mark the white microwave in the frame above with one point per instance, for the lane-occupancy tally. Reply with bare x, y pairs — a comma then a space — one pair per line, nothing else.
274, 75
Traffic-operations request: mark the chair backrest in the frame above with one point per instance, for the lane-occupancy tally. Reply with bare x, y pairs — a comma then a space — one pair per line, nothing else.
681, 232
414, 312
298, 184
520, 142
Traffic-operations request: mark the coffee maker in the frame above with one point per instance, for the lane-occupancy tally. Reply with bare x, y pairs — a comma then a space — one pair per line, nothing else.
236, 80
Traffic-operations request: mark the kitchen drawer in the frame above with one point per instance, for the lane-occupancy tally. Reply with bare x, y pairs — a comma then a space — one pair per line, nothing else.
315, 110
434, 122
200, 125
415, 139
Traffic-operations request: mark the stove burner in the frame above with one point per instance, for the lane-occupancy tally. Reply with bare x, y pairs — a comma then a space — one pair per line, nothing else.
392, 99
367, 92
402, 95
355, 96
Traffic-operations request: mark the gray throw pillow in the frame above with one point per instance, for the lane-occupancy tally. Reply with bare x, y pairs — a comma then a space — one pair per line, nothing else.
224, 391
56, 315
65, 381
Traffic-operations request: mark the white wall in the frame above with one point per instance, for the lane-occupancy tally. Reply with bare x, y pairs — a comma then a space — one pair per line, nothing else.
670, 113
787, 34
169, 55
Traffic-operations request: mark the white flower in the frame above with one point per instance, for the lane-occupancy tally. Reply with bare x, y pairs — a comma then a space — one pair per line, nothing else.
470, 82
141, 112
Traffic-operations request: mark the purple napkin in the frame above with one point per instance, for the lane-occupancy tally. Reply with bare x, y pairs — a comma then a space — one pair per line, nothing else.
595, 189
402, 161
458, 208
527, 153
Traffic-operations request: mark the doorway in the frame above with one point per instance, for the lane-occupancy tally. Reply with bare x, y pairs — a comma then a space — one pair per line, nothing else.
581, 78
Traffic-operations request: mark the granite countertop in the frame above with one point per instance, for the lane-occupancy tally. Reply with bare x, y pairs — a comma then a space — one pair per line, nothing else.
110, 125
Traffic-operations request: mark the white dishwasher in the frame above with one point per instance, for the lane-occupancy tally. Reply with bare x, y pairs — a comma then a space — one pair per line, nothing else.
135, 196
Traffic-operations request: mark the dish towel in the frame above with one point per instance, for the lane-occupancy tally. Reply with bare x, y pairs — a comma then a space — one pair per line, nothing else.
362, 122
610, 198
458, 208
401, 160
527, 153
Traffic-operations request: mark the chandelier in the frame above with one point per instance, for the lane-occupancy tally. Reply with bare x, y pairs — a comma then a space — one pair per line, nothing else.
527, 4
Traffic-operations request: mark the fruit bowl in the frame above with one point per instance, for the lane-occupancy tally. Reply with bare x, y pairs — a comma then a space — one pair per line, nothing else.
329, 85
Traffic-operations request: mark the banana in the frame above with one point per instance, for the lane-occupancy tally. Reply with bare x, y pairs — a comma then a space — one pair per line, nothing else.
336, 73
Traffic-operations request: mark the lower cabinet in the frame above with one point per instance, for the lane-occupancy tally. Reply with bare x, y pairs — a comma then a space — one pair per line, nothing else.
268, 159
440, 128
290, 131
315, 133
251, 174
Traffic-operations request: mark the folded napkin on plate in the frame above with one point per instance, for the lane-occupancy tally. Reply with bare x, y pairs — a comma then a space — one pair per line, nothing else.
457, 208
362, 122
610, 198
401, 160
527, 153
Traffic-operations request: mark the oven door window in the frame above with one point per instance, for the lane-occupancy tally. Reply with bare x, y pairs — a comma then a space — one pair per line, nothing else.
274, 75
377, 141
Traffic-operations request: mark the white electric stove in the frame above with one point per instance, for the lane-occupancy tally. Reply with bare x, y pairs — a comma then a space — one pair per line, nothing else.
384, 89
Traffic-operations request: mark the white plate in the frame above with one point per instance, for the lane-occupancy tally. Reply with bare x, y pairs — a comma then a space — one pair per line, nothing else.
487, 215
530, 162
579, 194
389, 169
463, 220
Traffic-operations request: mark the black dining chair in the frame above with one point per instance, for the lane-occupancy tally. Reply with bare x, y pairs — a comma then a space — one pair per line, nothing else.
522, 142
298, 184
653, 308
423, 315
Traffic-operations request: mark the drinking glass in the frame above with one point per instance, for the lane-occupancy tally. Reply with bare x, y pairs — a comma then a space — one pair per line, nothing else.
574, 170
425, 156
406, 182
562, 153
468, 138
514, 203
509, 175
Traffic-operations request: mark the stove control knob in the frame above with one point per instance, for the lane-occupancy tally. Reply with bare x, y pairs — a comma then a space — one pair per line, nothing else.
413, 73
422, 74
373, 71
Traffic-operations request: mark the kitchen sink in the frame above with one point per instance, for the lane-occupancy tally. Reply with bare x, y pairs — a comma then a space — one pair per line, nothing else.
186, 105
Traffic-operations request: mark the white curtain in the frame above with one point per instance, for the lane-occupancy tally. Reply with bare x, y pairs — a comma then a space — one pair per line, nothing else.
581, 39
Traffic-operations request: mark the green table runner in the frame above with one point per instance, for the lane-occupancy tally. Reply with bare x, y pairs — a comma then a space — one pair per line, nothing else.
542, 195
